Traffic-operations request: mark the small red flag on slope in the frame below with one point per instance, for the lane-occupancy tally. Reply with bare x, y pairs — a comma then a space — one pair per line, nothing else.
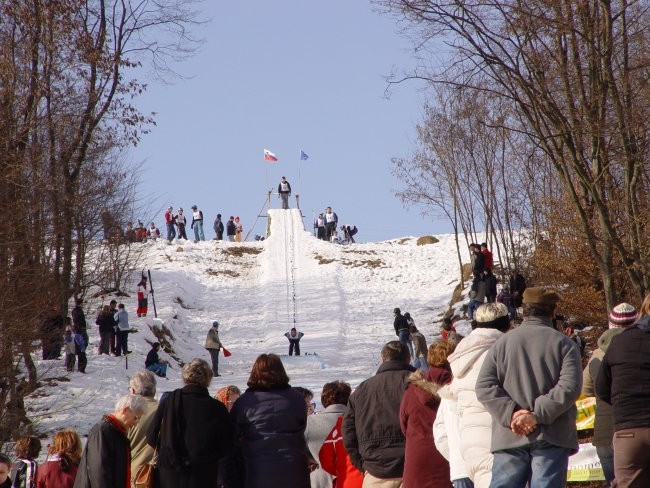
226, 352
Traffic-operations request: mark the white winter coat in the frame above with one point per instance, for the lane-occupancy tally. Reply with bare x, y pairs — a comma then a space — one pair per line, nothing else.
446, 435
475, 423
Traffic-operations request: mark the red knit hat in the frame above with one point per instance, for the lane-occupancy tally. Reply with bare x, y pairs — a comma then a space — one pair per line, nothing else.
622, 315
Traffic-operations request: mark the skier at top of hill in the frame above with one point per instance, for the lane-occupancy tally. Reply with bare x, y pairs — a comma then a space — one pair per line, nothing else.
284, 190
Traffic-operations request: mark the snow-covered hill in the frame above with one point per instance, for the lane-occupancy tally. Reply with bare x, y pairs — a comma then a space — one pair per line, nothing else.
341, 297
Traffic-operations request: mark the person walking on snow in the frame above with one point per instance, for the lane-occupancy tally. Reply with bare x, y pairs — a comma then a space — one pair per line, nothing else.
284, 190
123, 329
402, 330
197, 224
213, 345
294, 341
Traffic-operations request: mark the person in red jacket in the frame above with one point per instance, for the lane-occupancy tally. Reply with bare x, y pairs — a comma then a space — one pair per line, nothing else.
63, 456
424, 466
335, 460
488, 256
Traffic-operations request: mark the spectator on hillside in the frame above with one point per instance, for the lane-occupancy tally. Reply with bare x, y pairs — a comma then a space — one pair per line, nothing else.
270, 419
153, 362
140, 233
331, 219
334, 238
284, 190
142, 383
129, 233
506, 298
621, 317
152, 232
490, 286
79, 319
106, 459
401, 326
218, 228
479, 262
424, 466
419, 348
197, 224
113, 311
106, 323
517, 286
377, 448
213, 345
70, 349
448, 331
181, 223
80, 351
624, 382
123, 328
476, 297
231, 229
335, 460
319, 225
143, 297
52, 331
238, 229
349, 232
487, 256
228, 395
63, 457
529, 382
191, 431
25, 467
334, 399
170, 220
294, 341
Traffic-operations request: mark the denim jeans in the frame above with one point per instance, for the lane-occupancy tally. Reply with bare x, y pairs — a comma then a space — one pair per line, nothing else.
198, 231
540, 464
471, 308
171, 232
463, 483
421, 363
405, 338
606, 456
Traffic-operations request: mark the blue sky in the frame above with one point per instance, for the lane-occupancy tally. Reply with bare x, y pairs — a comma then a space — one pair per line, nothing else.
287, 75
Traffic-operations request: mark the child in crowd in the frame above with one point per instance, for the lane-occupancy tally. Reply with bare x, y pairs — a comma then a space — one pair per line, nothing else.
80, 349
309, 397
23, 471
70, 349
5, 468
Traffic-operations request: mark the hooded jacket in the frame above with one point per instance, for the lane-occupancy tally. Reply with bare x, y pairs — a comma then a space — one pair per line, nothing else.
424, 466
372, 434
624, 377
474, 421
446, 433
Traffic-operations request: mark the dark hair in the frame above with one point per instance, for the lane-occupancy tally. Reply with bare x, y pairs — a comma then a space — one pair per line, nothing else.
28, 447
407, 315
113, 302
155, 345
4, 459
305, 392
335, 392
539, 309
268, 373
395, 351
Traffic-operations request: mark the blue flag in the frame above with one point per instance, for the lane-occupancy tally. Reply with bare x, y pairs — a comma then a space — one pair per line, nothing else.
303, 156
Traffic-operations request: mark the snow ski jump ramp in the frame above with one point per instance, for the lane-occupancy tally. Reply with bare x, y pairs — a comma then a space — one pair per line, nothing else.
296, 289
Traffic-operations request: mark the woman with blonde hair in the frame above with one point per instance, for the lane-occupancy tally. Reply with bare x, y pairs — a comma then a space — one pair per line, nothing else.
63, 456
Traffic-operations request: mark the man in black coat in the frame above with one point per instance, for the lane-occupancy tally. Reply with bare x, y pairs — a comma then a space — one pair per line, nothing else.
517, 287
371, 428
218, 228
106, 459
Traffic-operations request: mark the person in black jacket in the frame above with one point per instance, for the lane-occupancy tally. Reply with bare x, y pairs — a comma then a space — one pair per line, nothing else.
106, 459
624, 382
191, 431
231, 229
106, 323
153, 362
371, 428
517, 287
218, 228
284, 190
79, 319
401, 326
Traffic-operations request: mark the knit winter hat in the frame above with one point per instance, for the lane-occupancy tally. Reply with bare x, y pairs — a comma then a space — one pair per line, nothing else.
622, 315
215, 323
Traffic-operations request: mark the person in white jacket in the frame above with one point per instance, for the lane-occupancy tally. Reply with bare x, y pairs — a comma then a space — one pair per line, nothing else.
474, 423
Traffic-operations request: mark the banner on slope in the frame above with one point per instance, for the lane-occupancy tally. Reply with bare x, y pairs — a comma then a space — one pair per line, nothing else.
586, 413
585, 465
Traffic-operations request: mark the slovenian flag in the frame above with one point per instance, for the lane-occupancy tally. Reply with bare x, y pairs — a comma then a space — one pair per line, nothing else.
269, 156
303, 156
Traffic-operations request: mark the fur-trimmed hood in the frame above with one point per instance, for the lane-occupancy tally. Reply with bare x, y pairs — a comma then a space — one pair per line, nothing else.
429, 383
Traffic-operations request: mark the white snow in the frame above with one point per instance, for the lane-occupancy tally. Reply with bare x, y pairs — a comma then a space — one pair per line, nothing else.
344, 299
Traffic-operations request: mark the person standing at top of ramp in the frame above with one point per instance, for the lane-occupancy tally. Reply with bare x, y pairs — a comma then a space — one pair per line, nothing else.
284, 189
